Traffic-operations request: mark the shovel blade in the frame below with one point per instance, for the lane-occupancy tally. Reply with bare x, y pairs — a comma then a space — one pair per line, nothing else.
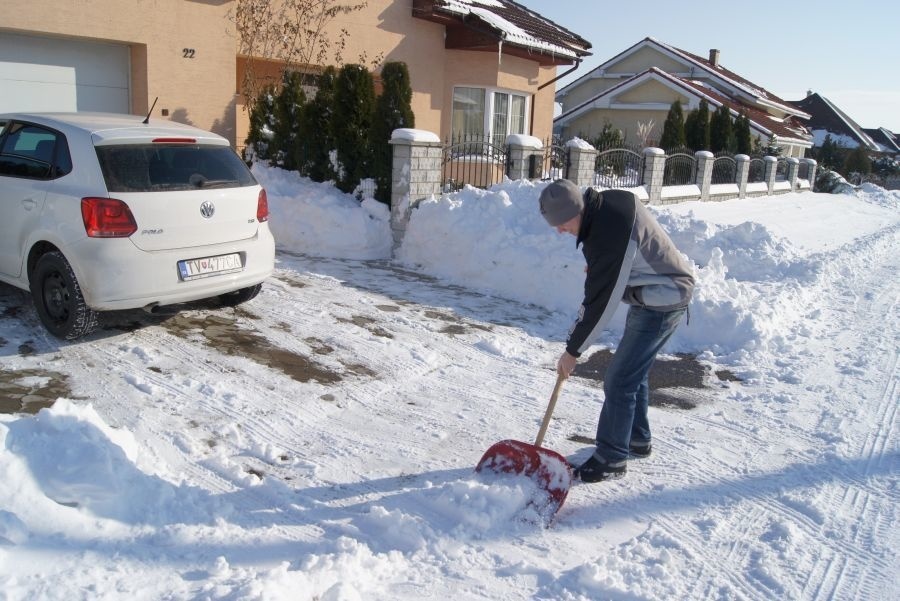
547, 469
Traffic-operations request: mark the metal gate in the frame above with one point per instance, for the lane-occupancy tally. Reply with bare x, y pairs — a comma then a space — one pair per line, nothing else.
473, 160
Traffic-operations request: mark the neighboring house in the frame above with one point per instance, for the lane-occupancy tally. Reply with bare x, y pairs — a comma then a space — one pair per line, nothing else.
639, 85
887, 141
827, 119
476, 66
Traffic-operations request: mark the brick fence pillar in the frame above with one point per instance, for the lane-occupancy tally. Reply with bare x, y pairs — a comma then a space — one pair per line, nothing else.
793, 169
654, 172
415, 175
811, 173
521, 150
705, 160
742, 173
771, 170
582, 162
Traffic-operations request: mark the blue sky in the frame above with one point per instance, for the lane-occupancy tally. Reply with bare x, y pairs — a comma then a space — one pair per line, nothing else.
845, 51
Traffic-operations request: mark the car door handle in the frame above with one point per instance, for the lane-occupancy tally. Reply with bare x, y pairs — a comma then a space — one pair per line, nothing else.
29, 204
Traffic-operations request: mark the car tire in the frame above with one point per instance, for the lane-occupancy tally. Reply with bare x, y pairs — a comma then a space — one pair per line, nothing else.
58, 299
233, 299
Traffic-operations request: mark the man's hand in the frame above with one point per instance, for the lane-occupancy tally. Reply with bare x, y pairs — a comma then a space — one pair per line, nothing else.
566, 364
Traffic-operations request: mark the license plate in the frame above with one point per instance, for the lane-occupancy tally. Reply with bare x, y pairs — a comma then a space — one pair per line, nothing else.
192, 269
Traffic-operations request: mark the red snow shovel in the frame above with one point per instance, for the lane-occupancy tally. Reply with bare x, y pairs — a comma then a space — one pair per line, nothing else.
548, 469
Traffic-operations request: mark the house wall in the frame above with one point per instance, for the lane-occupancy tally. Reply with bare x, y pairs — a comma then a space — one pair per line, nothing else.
480, 69
644, 58
386, 28
651, 92
657, 98
589, 125
193, 90
203, 89
637, 62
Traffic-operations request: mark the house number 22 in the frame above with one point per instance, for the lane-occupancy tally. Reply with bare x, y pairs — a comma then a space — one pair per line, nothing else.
188, 52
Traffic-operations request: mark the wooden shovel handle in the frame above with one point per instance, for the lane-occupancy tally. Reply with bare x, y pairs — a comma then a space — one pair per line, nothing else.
549, 413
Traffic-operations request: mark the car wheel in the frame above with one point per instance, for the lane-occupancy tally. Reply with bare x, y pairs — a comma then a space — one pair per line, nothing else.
58, 299
233, 299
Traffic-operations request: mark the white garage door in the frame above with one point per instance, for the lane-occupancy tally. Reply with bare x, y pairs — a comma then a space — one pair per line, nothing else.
54, 74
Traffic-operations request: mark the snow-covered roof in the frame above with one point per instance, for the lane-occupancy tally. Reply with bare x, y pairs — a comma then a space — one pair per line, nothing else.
825, 115
510, 23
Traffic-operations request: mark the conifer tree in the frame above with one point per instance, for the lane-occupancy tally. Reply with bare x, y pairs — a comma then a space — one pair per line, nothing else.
721, 136
318, 128
262, 122
696, 127
287, 140
673, 128
609, 137
393, 110
354, 110
744, 143
857, 162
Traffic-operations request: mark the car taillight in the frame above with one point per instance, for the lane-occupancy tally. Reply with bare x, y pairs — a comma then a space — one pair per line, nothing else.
262, 206
107, 218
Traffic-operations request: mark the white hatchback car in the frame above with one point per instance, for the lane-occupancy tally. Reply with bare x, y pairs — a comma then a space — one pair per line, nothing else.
105, 211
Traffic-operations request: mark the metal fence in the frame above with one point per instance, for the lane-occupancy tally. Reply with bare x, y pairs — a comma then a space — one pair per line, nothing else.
681, 167
619, 168
475, 160
757, 172
781, 170
724, 168
803, 171
555, 161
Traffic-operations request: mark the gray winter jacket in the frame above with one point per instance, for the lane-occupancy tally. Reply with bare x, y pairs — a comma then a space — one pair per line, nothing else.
630, 258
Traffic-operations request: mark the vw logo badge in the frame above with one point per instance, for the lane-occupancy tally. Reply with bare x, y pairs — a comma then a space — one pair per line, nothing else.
207, 209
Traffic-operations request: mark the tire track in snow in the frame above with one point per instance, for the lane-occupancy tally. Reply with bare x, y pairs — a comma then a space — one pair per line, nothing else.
836, 567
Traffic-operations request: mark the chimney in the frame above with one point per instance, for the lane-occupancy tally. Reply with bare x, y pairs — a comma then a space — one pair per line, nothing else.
714, 57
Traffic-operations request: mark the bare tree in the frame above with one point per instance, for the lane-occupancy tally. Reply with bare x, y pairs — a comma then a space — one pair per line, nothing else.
644, 131
291, 32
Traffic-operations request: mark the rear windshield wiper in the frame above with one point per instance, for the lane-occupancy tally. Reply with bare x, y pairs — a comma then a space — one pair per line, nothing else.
202, 182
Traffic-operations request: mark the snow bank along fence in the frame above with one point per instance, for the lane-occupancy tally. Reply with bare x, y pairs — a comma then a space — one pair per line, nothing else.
424, 167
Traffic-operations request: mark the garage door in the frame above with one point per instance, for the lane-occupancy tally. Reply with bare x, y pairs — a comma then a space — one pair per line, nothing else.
54, 74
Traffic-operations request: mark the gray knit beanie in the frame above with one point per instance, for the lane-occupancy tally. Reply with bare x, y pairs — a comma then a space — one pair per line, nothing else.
561, 201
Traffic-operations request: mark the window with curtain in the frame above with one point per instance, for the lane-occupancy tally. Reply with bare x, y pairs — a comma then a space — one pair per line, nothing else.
468, 112
491, 113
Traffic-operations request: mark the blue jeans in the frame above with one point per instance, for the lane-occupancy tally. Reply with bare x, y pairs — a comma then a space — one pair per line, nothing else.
623, 418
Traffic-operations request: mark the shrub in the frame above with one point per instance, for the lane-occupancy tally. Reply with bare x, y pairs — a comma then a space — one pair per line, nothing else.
673, 128
354, 109
262, 126
393, 110
287, 140
318, 118
696, 127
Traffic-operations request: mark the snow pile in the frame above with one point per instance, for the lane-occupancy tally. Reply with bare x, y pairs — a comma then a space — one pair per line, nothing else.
319, 219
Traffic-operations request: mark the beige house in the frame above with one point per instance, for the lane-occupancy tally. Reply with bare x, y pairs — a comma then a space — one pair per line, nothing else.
475, 65
637, 87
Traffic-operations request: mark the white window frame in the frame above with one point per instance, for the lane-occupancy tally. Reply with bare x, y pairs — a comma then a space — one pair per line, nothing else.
489, 101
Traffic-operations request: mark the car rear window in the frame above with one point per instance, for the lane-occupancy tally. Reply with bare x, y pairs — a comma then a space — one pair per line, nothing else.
160, 167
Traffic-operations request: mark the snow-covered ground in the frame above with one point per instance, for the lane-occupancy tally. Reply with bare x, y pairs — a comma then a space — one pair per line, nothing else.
319, 442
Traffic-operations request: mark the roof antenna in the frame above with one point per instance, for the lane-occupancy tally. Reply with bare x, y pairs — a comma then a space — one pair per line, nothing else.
147, 118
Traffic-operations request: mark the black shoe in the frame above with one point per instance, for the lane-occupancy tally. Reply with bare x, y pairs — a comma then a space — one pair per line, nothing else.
640, 451
596, 470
